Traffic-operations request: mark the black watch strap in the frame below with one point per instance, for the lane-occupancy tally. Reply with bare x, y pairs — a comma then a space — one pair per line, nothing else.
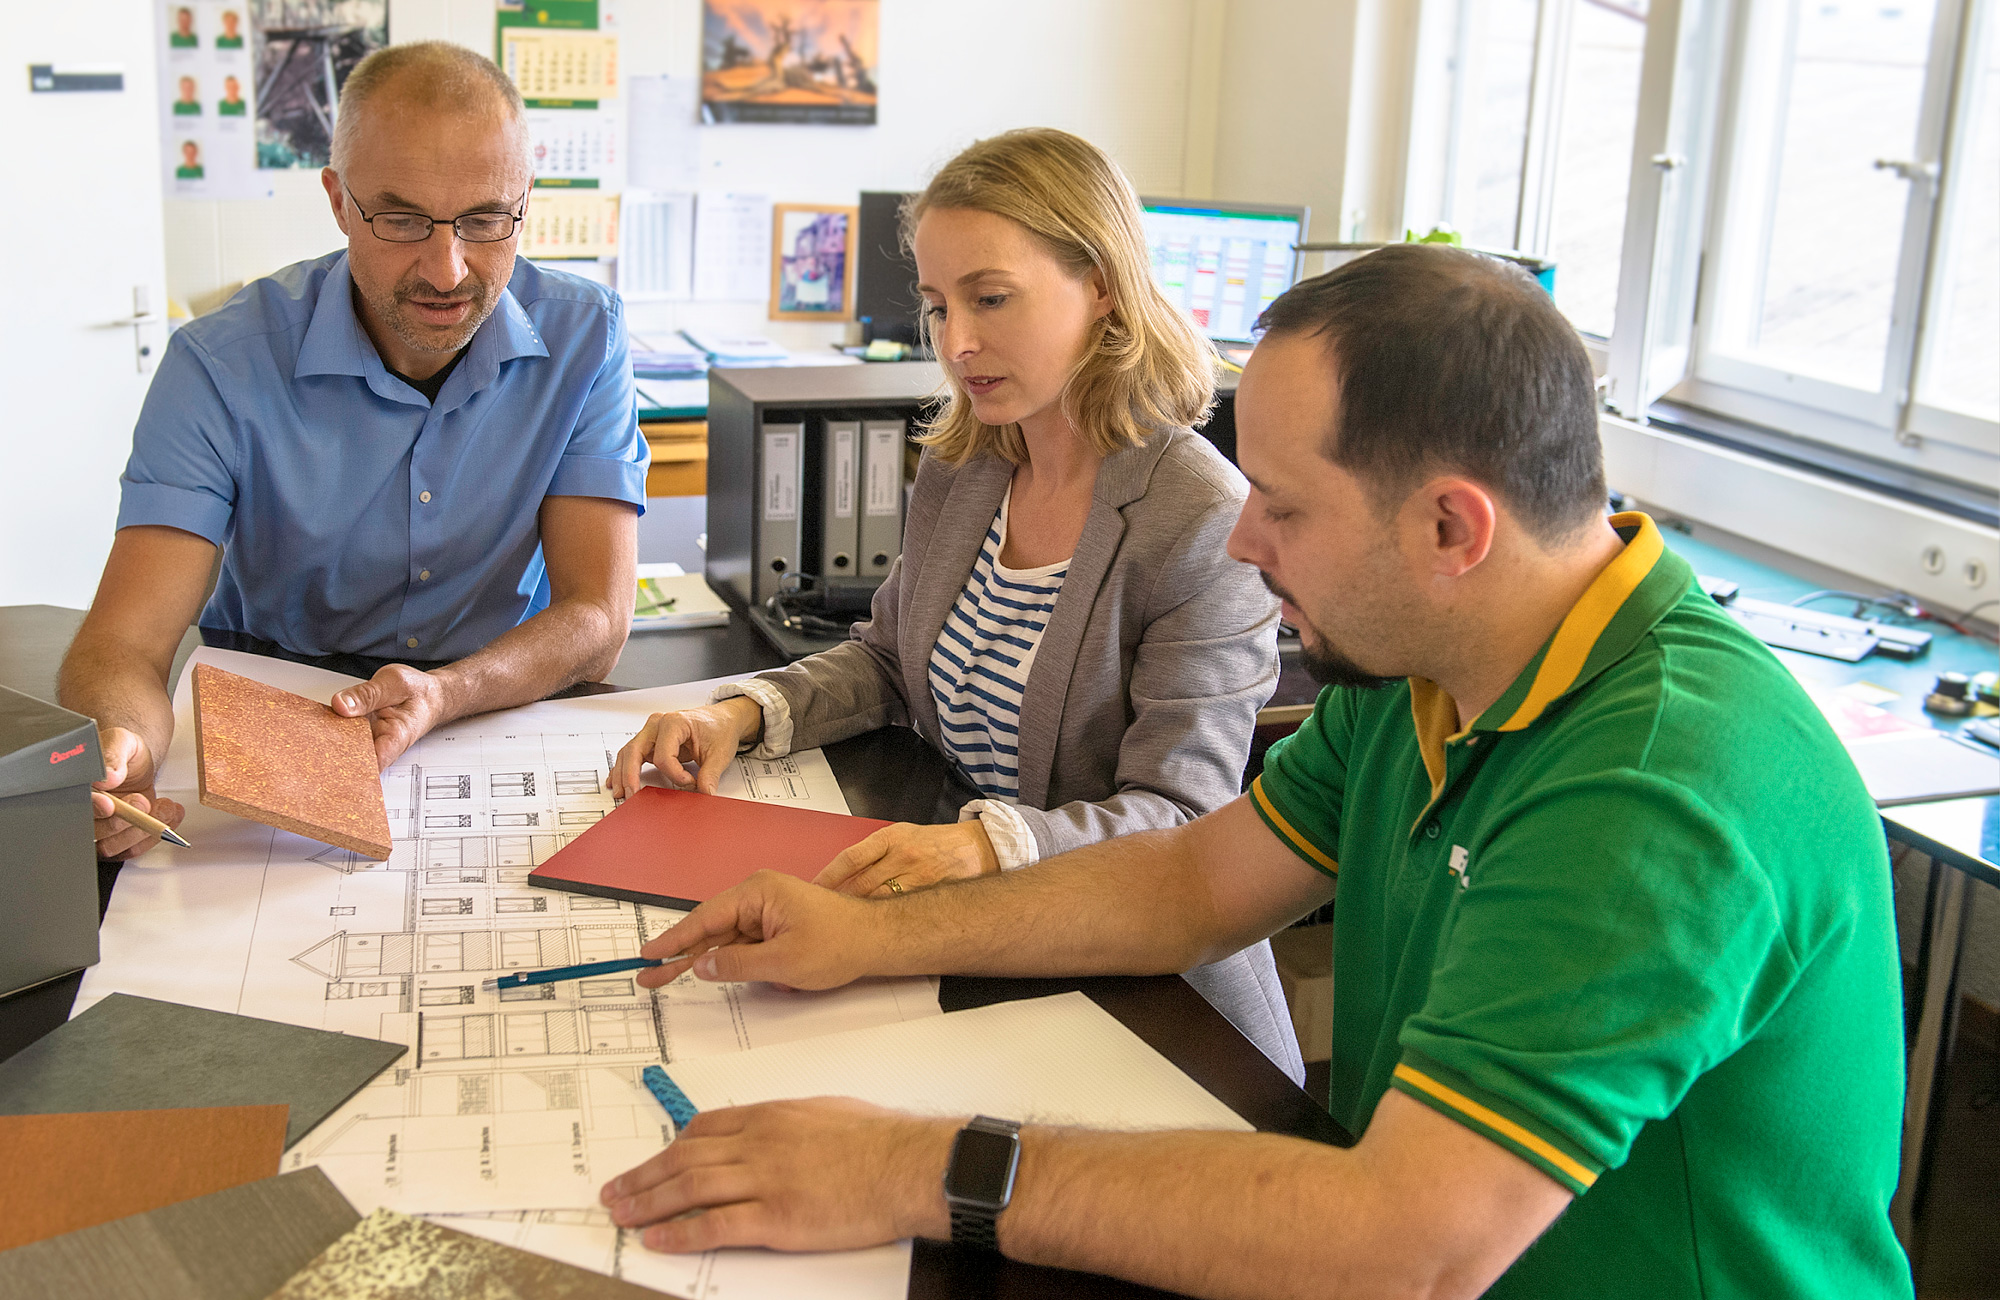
974, 1227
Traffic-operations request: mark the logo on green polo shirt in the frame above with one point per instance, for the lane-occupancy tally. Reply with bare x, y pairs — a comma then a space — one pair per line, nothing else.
1461, 865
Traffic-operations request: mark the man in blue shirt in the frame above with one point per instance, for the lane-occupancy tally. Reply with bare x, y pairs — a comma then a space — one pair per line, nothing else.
420, 449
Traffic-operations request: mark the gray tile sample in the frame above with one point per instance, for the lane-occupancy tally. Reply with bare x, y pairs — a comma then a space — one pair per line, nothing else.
238, 1244
130, 1053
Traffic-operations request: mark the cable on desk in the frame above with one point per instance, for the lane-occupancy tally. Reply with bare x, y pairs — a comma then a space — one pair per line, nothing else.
1905, 604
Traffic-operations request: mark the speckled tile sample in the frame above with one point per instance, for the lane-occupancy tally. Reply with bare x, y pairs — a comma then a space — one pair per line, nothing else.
391, 1256
289, 762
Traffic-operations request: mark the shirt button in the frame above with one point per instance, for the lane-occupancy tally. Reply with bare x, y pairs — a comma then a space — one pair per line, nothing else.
1430, 831
424, 497
425, 576
412, 643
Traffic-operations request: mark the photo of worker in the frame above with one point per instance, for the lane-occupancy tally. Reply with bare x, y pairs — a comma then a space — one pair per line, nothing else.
180, 28
232, 103
231, 36
188, 104
190, 168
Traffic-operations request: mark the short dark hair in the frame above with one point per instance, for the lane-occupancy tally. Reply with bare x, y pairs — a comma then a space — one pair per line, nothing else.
1453, 361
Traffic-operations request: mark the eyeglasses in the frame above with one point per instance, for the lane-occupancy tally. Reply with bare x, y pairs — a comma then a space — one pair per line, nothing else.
415, 227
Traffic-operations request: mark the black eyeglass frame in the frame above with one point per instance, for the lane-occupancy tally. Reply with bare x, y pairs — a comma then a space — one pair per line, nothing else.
517, 217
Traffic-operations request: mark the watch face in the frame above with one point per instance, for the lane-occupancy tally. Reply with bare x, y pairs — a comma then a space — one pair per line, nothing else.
982, 1167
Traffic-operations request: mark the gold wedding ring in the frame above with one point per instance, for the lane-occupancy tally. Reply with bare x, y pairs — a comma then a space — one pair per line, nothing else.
895, 885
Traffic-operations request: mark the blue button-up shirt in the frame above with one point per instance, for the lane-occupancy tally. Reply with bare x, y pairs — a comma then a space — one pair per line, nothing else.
354, 516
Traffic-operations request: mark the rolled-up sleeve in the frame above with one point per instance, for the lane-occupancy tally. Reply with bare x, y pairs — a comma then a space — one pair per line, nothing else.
182, 471
607, 455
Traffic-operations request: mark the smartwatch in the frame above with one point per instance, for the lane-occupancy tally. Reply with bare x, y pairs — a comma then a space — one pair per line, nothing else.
979, 1181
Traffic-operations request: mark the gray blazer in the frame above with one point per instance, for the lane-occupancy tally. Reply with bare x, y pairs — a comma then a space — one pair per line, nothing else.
1139, 709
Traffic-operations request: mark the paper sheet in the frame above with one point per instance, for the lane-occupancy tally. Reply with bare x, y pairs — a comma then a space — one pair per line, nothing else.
732, 247
1053, 1060
527, 1100
588, 1239
665, 152
656, 247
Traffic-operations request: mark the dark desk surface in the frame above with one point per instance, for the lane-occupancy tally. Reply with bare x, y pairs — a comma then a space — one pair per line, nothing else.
889, 774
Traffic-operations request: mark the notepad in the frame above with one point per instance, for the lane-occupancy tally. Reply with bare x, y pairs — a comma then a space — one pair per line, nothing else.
676, 848
1054, 1060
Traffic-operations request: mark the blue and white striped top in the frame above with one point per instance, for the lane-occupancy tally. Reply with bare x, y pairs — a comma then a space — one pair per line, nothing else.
979, 667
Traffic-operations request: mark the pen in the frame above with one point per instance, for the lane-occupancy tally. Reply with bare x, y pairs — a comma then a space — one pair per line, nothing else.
143, 821
524, 977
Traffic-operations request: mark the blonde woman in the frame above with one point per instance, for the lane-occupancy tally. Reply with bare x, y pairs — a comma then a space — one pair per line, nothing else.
1063, 622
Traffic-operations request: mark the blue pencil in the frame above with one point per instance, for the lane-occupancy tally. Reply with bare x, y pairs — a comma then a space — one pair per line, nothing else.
524, 977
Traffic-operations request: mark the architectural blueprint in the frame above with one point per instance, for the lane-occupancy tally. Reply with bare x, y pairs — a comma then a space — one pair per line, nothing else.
588, 1239
524, 1100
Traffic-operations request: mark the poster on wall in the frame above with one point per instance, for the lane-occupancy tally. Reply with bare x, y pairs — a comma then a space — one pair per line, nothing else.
811, 253
207, 142
304, 51
809, 61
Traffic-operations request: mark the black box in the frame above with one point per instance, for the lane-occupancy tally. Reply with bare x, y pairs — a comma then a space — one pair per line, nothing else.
48, 854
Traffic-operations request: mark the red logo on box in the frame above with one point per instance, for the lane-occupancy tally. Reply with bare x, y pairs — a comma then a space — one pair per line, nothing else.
67, 753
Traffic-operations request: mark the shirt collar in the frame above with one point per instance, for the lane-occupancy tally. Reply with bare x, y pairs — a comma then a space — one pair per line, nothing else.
1621, 605
336, 344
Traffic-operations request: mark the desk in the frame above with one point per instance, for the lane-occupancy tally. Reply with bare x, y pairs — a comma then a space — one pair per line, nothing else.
890, 774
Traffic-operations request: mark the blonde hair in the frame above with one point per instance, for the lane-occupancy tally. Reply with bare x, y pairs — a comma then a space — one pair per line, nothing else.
1144, 367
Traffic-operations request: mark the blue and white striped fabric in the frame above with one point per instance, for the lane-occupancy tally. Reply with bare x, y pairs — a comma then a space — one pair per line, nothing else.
979, 667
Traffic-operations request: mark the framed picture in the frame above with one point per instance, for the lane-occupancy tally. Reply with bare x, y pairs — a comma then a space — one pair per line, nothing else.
789, 61
812, 258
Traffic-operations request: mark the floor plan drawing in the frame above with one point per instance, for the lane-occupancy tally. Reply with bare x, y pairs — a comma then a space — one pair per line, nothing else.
588, 1239
518, 1100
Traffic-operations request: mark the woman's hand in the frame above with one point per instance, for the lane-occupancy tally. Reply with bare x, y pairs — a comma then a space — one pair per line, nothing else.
912, 857
708, 736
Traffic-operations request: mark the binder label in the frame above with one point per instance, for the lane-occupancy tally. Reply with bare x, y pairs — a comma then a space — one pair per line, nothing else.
781, 476
843, 471
885, 469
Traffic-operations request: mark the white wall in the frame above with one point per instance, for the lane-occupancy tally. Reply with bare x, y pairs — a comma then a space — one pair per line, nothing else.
1119, 72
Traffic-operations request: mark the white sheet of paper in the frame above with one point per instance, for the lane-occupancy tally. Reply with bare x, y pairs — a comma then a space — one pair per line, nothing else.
665, 152
588, 1239
656, 250
1053, 1060
527, 1100
732, 247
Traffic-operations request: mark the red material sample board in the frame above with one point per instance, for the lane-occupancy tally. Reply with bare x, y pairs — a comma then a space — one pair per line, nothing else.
289, 762
677, 848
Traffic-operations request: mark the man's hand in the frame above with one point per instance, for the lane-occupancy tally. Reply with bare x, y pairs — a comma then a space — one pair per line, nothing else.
773, 928
709, 736
128, 773
401, 705
912, 856
824, 1174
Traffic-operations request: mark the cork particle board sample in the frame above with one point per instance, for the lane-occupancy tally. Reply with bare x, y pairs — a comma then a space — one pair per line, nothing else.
391, 1256
289, 762
66, 1172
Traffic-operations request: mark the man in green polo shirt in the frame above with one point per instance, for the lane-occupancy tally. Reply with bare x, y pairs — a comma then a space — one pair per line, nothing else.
1616, 996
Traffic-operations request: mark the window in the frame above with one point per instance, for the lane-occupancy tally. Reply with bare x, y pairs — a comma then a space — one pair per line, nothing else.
1785, 212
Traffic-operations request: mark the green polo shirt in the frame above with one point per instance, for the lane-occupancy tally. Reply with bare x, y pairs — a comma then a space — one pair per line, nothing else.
1634, 925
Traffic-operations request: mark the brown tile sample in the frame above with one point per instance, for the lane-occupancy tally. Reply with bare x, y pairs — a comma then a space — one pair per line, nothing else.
236, 1244
65, 1172
391, 1256
289, 762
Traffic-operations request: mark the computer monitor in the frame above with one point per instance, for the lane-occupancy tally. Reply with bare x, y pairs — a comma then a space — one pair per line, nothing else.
886, 301
1223, 263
